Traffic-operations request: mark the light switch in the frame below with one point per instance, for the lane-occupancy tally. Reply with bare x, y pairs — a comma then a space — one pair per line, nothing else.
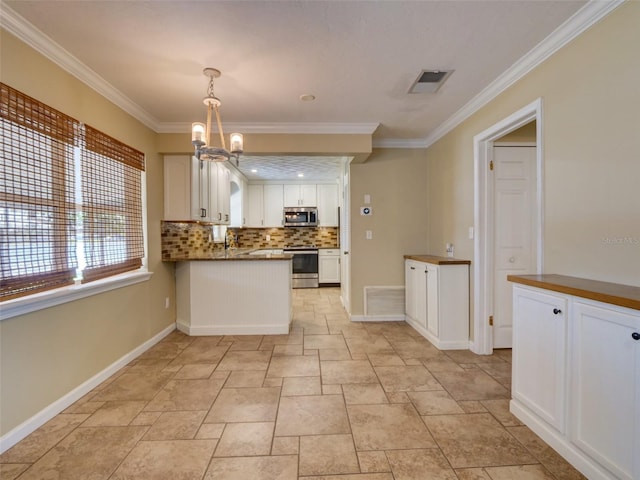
470, 233
369, 234
367, 198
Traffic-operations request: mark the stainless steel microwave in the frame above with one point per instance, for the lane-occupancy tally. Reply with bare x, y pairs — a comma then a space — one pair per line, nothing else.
300, 217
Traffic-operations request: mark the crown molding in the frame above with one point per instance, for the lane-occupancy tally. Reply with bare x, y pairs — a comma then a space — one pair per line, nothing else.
36, 39
587, 16
275, 127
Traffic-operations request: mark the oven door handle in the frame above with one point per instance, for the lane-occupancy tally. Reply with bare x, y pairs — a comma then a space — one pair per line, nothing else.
306, 252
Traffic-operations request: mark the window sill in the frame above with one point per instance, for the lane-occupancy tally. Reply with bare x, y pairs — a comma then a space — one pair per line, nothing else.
39, 301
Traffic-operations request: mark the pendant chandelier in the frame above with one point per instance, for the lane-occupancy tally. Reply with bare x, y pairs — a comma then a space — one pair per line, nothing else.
200, 132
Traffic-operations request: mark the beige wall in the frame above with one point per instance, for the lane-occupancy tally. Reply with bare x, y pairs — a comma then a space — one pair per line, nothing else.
46, 354
591, 155
395, 179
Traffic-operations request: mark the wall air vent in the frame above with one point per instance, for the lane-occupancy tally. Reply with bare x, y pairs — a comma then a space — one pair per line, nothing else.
429, 81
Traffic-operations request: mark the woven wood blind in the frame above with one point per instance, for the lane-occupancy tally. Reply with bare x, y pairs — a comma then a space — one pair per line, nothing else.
111, 206
37, 205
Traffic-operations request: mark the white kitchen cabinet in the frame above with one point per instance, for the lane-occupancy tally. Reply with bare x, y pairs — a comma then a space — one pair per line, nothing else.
273, 205
302, 195
438, 299
539, 346
328, 202
605, 386
576, 371
255, 211
195, 190
245, 203
328, 265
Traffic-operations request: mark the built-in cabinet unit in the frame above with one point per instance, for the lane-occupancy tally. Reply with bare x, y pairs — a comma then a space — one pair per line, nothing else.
300, 195
576, 371
266, 202
328, 266
196, 190
437, 299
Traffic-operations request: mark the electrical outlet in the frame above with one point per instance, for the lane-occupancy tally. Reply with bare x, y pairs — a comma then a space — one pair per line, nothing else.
268, 237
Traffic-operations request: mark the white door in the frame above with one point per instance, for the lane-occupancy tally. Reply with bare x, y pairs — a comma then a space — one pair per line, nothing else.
514, 232
345, 265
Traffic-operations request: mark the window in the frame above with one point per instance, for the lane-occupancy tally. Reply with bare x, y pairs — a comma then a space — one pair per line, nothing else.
70, 200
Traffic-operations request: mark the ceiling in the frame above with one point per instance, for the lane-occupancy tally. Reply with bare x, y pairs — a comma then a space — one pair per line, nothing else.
358, 58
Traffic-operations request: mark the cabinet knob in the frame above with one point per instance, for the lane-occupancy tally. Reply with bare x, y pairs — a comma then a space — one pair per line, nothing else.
512, 259
556, 311
635, 336
413, 268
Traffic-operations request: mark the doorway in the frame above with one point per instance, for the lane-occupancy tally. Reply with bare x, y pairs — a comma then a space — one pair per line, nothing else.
495, 251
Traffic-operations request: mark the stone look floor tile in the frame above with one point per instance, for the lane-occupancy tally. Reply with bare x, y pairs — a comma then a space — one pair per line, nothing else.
186, 395
115, 414
130, 386
181, 425
434, 403
356, 476
419, 465
285, 446
209, 431
324, 341
10, 471
347, 371
476, 440
312, 415
285, 350
521, 472
373, 462
364, 394
500, 410
284, 467
105, 446
327, 454
245, 378
245, 439
202, 350
305, 366
388, 427
245, 360
157, 460
245, 405
406, 379
193, 372
295, 386
385, 359
471, 385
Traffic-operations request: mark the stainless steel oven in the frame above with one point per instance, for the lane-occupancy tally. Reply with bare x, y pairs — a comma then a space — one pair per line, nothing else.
305, 267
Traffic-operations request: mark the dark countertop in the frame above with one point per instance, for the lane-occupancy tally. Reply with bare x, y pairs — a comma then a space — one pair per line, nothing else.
612, 293
436, 260
237, 254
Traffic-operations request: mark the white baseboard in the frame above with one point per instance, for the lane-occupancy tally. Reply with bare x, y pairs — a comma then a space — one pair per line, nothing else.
43, 416
233, 329
377, 318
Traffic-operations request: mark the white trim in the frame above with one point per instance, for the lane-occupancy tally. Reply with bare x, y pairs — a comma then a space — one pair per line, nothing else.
482, 145
233, 329
376, 318
51, 298
21, 431
586, 17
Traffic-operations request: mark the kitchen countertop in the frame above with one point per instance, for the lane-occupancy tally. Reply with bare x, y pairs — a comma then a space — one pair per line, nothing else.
436, 260
612, 293
229, 254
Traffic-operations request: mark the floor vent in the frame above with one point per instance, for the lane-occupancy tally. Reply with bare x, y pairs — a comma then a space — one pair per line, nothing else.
384, 301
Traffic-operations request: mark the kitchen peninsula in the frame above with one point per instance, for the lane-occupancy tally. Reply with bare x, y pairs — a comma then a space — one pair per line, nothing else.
233, 292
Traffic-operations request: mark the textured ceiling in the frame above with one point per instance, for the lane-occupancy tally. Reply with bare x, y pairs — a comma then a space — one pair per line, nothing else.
313, 169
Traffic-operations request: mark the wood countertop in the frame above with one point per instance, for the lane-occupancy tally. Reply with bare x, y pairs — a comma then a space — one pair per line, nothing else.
436, 260
612, 293
239, 254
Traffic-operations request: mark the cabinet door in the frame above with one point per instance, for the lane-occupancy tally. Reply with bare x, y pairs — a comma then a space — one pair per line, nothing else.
329, 269
328, 205
432, 313
200, 208
308, 196
605, 387
223, 195
539, 349
273, 205
409, 289
177, 187
212, 192
291, 195
245, 203
255, 213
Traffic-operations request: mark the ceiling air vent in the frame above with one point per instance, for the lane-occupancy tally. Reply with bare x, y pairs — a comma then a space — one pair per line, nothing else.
429, 81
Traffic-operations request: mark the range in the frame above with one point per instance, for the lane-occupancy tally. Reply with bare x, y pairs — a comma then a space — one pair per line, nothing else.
305, 266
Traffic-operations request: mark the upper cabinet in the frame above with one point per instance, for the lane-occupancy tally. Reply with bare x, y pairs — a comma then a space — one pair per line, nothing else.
196, 190
328, 205
273, 205
300, 196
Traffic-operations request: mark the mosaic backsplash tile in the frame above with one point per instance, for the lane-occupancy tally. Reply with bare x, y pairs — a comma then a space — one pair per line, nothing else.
202, 239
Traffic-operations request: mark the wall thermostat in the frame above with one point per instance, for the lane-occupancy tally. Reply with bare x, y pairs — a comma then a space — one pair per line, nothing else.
366, 211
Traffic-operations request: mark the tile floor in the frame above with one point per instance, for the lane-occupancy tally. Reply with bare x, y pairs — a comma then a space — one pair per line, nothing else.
333, 400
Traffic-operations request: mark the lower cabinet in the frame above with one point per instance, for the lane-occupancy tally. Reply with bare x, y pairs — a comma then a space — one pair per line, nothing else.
576, 379
437, 302
328, 266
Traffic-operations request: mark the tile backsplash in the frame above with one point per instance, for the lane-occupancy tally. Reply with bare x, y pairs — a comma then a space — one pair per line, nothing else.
202, 239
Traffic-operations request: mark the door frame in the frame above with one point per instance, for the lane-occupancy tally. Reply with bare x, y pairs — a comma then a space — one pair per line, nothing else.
483, 227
